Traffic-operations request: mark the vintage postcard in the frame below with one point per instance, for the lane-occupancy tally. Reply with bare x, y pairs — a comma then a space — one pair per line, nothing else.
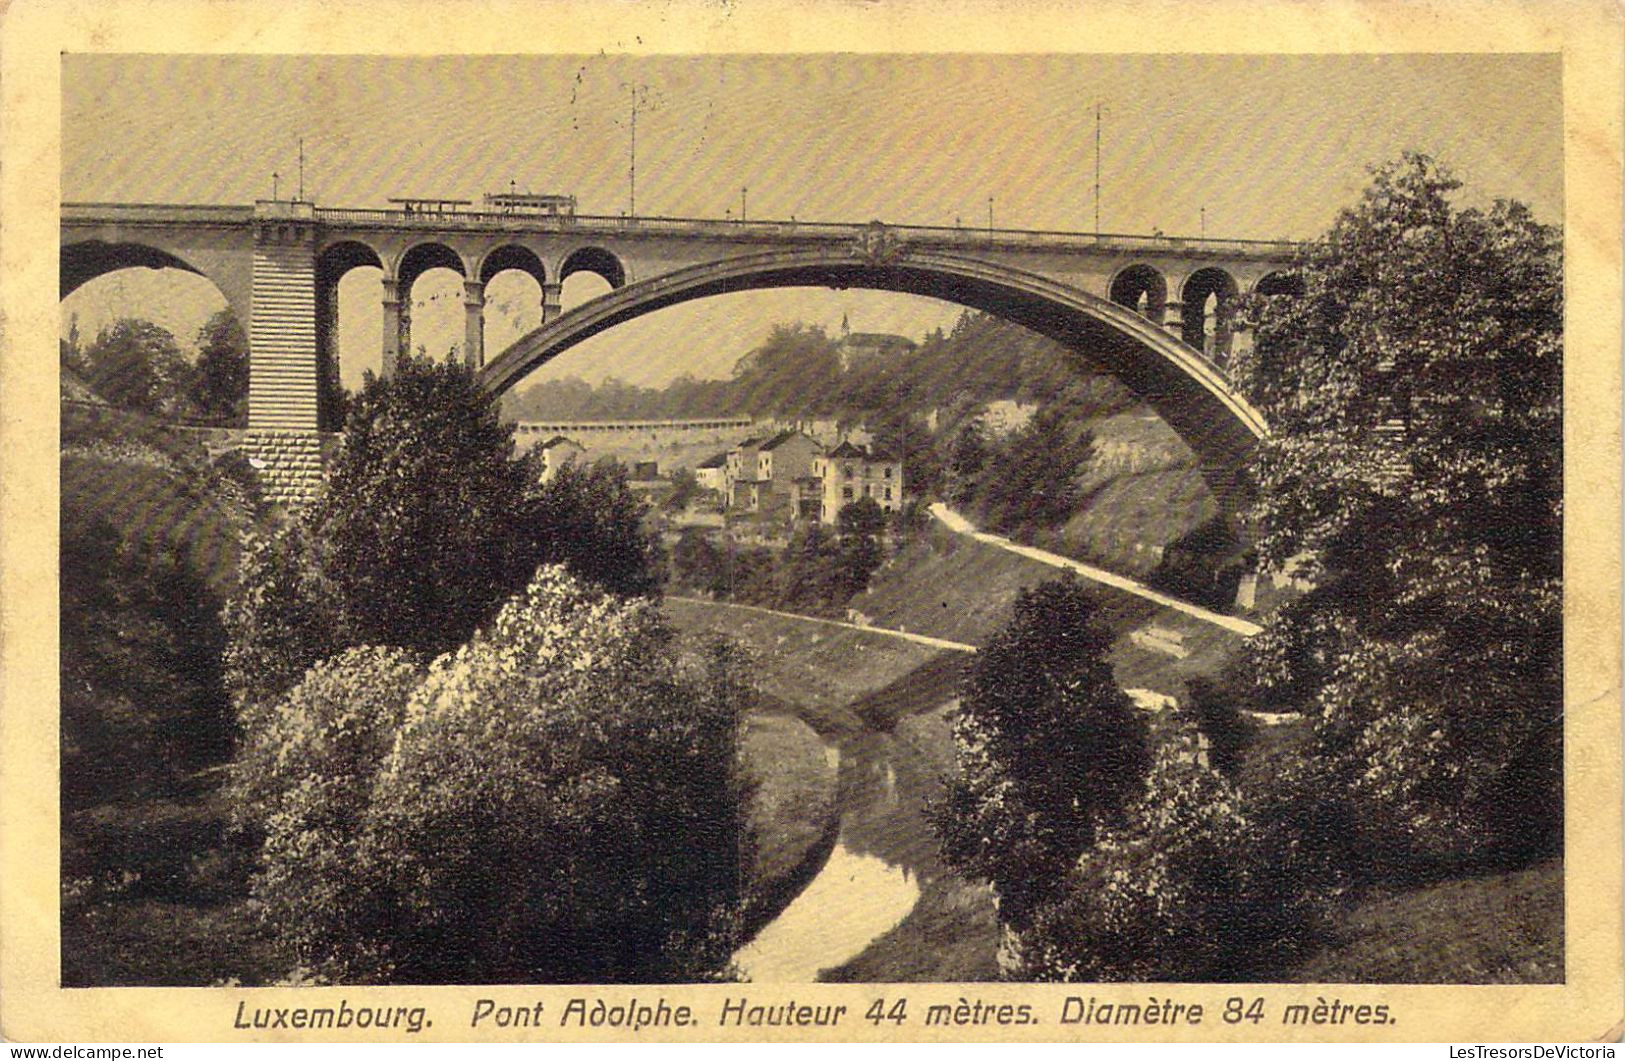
810, 521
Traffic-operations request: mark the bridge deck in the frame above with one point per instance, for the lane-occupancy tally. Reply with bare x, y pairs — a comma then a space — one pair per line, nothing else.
693, 227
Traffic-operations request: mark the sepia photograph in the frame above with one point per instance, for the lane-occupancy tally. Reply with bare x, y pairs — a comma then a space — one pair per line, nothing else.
732, 518
792, 517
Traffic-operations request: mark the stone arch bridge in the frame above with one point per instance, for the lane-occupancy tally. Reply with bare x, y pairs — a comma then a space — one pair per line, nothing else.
1153, 310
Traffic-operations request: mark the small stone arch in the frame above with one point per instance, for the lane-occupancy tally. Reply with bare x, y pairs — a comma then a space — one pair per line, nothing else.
421, 257
595, 260
1143, 289
1209, 298
512, 256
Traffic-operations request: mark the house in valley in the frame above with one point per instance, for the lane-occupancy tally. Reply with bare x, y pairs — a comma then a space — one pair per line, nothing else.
850, 472
556, 453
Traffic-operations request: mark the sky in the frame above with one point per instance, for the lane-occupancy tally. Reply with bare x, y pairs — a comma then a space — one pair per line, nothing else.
1236, 146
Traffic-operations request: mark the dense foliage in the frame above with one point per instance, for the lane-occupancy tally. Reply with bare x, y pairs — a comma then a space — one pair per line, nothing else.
1413, 474
816, 572
1049, 750
304, 779
142, 699
557, 800
425, 518
1194, 884
1030, 480
135, 364
426, 525
220, 377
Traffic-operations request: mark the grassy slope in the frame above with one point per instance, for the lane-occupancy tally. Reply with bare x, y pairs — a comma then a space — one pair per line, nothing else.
819, 670
1143, 490
1497, 929
948, 585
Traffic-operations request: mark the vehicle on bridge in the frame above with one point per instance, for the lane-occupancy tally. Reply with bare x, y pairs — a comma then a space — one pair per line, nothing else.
541, 205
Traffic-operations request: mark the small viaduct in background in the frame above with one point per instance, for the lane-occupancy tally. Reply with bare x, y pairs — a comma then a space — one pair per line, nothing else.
1153, 310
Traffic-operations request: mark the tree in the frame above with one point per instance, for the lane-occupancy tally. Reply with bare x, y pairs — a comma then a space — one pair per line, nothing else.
699, 562
559, 800
142, 698
136, 364
426, 525
906, 438
1413, 473
685, 487
861, 526
304, 778
966, 461
1032, 480
220, 382
1196, 883
589, 519
72, 350
286, 616
426, 522
1049, 751
796, 370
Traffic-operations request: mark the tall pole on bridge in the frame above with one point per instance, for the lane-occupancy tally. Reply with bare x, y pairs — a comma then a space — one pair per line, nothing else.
632, 168
1097, 169
301, 169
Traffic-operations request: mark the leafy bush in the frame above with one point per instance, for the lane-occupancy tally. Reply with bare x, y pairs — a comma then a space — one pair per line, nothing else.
1196, 884
1203, 566
1029, 481
304, 779
234, 473
558, 800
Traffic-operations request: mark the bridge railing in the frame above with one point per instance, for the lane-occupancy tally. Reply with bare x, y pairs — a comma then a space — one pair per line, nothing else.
156, 212
813, 231
776, 230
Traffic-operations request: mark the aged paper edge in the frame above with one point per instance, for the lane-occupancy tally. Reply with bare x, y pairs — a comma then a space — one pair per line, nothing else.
35, 34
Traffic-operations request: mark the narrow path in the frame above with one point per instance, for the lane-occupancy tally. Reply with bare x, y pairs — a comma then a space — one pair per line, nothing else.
960, 525
918, 639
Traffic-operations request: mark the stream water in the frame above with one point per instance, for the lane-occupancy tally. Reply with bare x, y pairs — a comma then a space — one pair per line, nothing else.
872, 878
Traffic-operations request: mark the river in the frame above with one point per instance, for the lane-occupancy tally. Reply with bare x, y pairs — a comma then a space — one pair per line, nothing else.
884, 852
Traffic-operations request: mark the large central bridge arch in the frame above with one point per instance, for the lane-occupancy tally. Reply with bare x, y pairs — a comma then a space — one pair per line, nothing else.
1186, 390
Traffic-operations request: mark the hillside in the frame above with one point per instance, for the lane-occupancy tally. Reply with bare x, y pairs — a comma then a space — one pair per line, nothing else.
797, 372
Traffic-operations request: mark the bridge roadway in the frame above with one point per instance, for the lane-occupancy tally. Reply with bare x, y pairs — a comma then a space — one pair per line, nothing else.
1154, 310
